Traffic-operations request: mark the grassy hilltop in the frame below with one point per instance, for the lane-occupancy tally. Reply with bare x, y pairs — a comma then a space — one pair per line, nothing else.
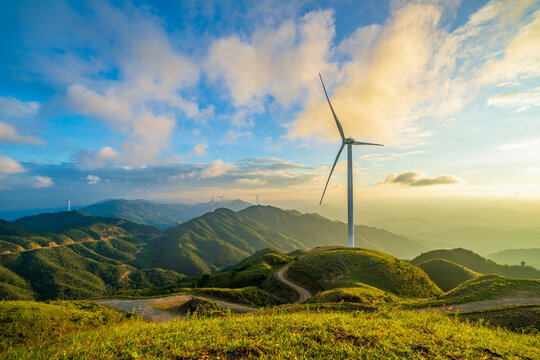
446, 274
348, 267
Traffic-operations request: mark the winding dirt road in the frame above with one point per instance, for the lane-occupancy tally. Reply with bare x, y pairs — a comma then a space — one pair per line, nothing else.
162, 309
303, 293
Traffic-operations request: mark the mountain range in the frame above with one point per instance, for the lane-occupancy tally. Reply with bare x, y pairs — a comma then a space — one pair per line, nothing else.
222, 238
161, 216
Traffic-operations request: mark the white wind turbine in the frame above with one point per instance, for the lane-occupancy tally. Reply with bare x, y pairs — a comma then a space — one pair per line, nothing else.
349, 142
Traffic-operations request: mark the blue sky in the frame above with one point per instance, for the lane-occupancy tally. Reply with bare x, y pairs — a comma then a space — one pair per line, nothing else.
178, 101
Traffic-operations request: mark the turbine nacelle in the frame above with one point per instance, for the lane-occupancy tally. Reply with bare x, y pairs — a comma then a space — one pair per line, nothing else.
348, 141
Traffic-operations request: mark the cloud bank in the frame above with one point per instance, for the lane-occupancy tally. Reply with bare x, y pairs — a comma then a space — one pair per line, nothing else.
415, 178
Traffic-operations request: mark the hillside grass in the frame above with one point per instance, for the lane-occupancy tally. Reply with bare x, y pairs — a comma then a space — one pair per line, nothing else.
35, 324
362, 294
525, 318
249, 295
494, 286
304, 334
485, 287
351, 267
446, 274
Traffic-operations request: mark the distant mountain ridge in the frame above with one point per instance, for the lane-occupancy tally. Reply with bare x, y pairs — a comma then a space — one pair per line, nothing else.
161, 216
315, 230
222, 238
214, 241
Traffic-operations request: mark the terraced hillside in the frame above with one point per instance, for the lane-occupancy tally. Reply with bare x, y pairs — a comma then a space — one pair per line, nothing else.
70, 255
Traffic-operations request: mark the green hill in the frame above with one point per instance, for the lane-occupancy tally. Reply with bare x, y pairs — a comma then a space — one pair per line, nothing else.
478, 263
253, 271
314, 230
446, 274
214, 241
350, 267
161, 216
362, 294
516, 256
492, 287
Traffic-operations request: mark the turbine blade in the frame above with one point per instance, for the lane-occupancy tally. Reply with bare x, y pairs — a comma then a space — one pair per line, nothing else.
331, 108
365, 143
329, 176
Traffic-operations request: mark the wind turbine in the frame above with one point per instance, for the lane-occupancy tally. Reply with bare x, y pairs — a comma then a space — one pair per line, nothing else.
212, 203
69, 205
221, 197
257, 198
349, 142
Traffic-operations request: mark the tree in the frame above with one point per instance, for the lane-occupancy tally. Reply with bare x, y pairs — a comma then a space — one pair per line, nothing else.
523, 263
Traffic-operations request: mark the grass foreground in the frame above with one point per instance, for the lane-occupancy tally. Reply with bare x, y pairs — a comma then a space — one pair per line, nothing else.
302, 332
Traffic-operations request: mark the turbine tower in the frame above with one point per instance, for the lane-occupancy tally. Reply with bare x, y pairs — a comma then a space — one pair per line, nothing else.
212, 202
349, 142
221, 197
257, 198
69, 205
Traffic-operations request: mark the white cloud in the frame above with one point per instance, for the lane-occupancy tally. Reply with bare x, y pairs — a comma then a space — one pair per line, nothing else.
217, 168
96, 159
382, 87
521, 59
232, 135
16, 115
412, 68
11, 107
8, 135
9, 166
415, 178
200, 149
277, 61
143, 100
42, 182
251, 181
528, 144
521, 100
93, 179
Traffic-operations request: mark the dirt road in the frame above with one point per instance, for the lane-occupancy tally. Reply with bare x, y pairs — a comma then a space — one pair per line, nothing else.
303, 293
162, 309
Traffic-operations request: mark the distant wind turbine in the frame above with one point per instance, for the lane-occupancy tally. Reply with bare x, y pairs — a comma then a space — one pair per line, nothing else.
69, 205
212, 203
349, 142
257, 198
221, 197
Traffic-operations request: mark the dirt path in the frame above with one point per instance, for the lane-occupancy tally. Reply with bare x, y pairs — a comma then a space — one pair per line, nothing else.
488, 304
161, 309
304, 293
